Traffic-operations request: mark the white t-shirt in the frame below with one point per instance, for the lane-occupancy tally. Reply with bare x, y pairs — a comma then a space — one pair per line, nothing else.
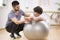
43, 16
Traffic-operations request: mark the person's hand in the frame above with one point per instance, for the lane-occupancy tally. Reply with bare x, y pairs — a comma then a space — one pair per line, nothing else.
22, 21
28, 19
31, 19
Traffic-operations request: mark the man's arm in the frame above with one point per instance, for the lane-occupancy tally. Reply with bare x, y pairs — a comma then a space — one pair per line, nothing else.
16, 21
27, 17
20, 21
26, 14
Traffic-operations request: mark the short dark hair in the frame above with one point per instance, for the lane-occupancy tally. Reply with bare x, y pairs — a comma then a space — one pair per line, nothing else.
38, 9
14, 3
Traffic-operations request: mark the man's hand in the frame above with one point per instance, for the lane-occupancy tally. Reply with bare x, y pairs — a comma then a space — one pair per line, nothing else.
21, 21
28, 19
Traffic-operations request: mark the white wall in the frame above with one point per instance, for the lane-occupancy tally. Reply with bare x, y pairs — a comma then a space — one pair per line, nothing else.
4, 12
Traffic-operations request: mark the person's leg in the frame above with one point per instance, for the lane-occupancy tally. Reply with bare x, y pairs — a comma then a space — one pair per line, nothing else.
11, 28
20, 28
8, 27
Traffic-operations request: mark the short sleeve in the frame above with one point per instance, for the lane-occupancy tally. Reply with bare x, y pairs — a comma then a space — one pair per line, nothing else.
22, 12
11, 15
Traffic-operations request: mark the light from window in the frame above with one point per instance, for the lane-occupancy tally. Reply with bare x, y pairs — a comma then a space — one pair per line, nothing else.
1, 2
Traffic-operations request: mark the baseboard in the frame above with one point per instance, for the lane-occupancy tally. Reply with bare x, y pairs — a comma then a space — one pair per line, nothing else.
2, 28
54, 24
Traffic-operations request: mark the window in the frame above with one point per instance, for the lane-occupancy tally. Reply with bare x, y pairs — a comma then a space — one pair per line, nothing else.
28, 5
1, 2
49, 5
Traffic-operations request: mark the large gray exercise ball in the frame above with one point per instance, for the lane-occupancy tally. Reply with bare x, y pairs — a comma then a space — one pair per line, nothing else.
36, 31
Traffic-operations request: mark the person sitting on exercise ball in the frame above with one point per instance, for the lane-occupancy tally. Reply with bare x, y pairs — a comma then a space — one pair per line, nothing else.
36, 16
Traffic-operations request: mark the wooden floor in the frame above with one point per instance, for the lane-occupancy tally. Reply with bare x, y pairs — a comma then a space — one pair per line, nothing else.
54, 34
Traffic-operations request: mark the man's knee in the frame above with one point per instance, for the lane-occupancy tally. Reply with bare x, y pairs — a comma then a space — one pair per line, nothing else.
21, 26
10, 27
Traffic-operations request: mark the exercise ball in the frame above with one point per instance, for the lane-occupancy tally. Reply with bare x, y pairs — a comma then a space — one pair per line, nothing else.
36, 31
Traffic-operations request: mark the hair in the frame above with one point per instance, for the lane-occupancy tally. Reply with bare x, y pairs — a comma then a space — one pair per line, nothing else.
14, 3
38, 9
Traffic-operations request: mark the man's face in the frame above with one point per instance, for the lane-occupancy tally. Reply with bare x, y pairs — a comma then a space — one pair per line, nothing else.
16, 8
36, 14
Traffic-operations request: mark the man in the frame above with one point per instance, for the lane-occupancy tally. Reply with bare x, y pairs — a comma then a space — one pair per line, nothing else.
14, 22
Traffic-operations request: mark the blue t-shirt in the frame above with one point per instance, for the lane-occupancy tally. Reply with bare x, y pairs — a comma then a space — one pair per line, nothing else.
12, 15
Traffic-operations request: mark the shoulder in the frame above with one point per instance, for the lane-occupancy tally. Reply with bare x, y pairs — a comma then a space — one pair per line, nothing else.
21, 10
44, 16
11, 12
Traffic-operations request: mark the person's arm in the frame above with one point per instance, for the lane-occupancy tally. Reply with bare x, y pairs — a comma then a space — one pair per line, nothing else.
12, 17
16, 21
27, 17
39, 19
26, 14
